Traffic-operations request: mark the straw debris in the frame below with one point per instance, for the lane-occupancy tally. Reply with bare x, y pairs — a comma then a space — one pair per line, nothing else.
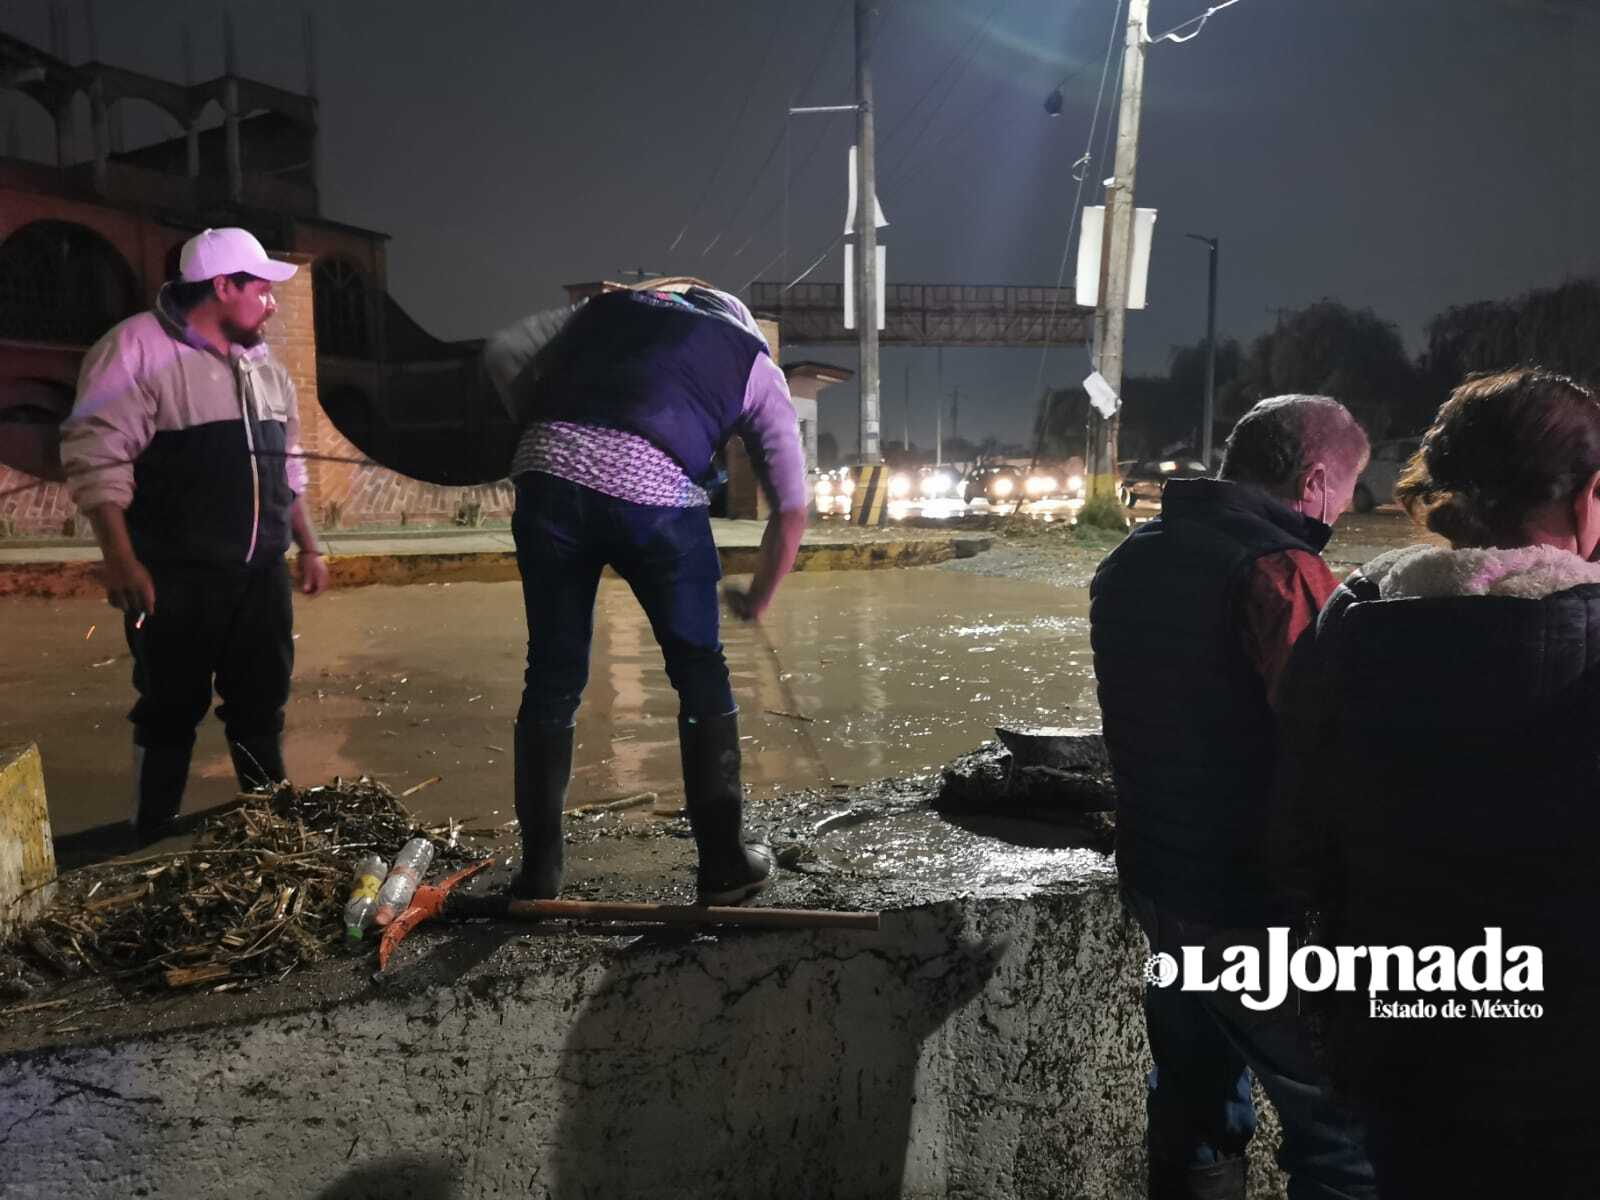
261, 892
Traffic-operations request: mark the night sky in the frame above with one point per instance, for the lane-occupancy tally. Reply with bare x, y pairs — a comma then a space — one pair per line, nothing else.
1398, 154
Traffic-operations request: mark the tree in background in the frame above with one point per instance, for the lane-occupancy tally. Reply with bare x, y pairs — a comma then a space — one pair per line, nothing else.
1330, 349
1558, 328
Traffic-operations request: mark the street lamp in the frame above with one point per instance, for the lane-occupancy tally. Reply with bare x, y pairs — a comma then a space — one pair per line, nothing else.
1209, 416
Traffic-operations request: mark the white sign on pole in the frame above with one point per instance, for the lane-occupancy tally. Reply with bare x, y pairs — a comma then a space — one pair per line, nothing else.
877, 209
1091, 240
883, 273
1104, 400
850, 284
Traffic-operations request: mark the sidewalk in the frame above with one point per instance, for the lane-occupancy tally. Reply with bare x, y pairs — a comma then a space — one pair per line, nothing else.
54, 569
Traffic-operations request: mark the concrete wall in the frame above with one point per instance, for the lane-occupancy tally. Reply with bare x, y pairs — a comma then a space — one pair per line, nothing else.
976, 1048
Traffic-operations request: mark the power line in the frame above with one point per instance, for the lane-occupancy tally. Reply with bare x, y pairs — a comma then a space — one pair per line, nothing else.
1199, 23
731, 140
1077, 203
971, 52
897, 173
303, 455
777, 142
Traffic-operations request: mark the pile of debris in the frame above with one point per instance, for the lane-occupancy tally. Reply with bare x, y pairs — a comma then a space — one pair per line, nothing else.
261, 893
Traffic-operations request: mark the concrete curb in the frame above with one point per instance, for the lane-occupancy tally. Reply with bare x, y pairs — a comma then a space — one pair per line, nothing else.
61, 580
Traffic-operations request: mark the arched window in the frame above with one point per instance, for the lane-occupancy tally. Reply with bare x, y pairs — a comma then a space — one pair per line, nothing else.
62, 283
339, 294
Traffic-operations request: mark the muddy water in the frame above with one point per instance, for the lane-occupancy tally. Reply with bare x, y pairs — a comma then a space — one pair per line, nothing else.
899, 671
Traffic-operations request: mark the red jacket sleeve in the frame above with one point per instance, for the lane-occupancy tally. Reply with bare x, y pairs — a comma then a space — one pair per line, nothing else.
1282, 596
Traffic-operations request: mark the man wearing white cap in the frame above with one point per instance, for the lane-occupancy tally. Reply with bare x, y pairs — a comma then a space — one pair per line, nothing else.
183, 451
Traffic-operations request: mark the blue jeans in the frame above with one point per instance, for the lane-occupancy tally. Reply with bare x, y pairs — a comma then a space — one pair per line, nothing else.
566, 535
1207, 1044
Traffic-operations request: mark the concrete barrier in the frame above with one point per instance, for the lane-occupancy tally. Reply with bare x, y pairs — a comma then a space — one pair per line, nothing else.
989, 1042
987, 1048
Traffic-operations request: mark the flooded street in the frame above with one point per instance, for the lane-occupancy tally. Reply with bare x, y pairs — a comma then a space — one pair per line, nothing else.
899, 671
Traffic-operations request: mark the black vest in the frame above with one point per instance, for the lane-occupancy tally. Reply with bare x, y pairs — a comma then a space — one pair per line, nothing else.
1453, 784
1190, 734
654, 368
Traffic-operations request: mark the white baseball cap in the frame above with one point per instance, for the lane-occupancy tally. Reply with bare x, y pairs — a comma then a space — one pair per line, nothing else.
213, 252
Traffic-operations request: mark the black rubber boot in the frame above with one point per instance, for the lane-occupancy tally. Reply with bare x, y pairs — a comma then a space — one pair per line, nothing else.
1219, 1181
730, 871
258, 762
160, 774
543, 768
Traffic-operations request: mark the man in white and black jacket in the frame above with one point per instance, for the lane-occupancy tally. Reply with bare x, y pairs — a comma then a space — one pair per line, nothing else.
182, 449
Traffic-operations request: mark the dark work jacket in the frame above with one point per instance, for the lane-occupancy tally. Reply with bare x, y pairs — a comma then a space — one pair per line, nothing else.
1191, 736
1442, 775
652, 367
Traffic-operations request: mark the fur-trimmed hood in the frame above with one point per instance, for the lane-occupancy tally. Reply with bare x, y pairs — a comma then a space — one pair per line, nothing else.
1527, 572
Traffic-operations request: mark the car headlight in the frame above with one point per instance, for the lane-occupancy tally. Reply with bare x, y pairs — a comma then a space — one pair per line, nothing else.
1075, 483
847, 486
937, 485
1003, 486
824, 488
899, 486
1039, 485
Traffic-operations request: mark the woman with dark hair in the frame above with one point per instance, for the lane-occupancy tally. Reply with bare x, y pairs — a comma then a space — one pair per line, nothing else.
1440, 792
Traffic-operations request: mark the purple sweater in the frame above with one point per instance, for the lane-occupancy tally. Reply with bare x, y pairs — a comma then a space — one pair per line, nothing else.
632, 468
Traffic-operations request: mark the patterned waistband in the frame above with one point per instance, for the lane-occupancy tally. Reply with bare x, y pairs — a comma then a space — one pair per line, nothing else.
611, 461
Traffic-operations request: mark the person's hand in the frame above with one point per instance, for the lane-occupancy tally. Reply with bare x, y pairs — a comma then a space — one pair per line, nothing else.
313, 573
129, 586
743, 604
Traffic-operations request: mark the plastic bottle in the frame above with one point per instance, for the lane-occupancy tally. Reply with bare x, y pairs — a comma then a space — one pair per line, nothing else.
410, 865
363, 903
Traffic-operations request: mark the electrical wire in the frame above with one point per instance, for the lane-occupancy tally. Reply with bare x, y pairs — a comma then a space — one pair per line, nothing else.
749, 190
1087, 162
1172, 35
1077, 203
303, 455
731, 140
962, 56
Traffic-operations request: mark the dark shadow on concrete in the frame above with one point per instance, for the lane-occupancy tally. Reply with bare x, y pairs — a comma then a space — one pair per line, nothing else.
442, 953
408, 1177
756, 1065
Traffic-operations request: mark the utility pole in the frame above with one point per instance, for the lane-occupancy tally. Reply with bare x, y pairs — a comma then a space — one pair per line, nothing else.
1119, 239
905, 443
938, 410
1209, 410
867, 234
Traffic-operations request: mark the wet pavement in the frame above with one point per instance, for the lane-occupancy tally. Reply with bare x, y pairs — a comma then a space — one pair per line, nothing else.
899, 671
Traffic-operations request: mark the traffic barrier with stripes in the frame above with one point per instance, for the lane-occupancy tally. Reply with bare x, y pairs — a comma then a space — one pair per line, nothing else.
869, 503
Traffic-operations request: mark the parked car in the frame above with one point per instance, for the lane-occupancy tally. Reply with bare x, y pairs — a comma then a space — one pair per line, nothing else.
1376, 485
1144, 481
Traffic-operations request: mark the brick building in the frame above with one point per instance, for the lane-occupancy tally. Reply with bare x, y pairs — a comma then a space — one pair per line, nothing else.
85, 242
